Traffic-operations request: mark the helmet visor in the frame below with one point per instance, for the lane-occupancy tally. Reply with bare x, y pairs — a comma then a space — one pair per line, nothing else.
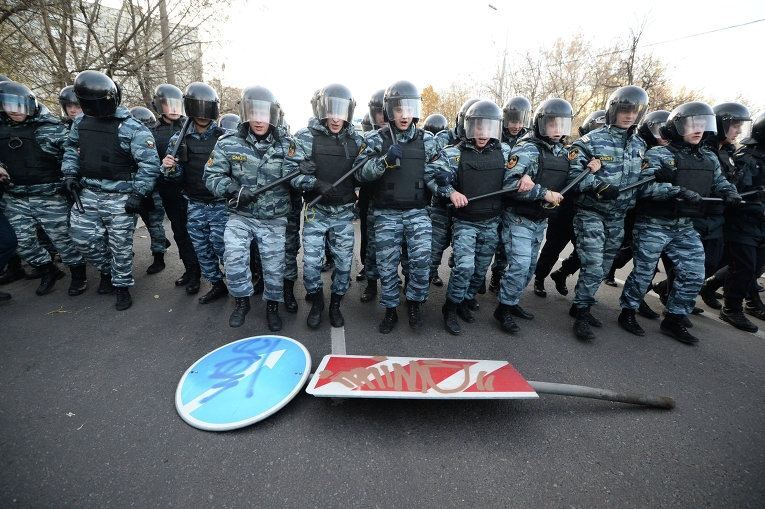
554, 126
696, 124
517, 117
336, 108
171, 106
483, 128
655, 128
254, 110
735, 130
405, 108
634, 111
14, 103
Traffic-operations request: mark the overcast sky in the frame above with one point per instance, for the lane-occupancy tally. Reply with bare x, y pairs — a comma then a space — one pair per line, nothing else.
294, 47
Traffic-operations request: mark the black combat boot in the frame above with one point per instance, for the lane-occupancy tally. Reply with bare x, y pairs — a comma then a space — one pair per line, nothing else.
559, 278
192, 287
105, 285
186, 277
449, 310
335, 316
124, 300
610, 278
414, 312
217, 291
709, 290
585, 314
158, 265
290, 304
628, 322
582, 323
645, 311
505, 319
370, 292
463, 311
518, 311
436, 281
272, 316
734, 315
673, 326
13, 271
754, 305
50, 273
472, 304
494, 282
539, 288
241, 308
388, 321
79, 282
317, 308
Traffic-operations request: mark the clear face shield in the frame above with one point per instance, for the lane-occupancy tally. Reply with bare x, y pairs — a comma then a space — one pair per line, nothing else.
260, 111
516, 119
628, 112
405, 108
655, 128
554, 127
482, 128
171, 106
736, 130
336, 108
696, 124
12, 103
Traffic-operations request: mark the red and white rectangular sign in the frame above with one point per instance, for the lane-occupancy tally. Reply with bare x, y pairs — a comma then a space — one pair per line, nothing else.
363, 376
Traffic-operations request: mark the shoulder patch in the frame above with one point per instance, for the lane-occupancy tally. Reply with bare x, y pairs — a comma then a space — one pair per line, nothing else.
209, 161
362, 148
671, 161
512, 162
239, 157
150, 143
573, 153
292, 149
457, 159
644, 164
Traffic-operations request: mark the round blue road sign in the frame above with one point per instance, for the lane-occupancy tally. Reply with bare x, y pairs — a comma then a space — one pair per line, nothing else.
242, 382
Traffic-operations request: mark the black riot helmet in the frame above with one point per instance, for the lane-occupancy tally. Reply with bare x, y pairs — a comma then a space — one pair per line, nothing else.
733, 119
460, 120
377, 107
690, 118
626, 99
168, 100
145, 116
435, 123
756, 134
553, 118
229, 121
483, 120
97, 93
17, 98
593, 121
517, 110
66, 97
402, 100
366, 124
336, 102
201, 101
650, 127
258, 104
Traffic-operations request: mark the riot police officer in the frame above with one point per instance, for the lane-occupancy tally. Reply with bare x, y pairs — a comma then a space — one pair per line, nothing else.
70, 105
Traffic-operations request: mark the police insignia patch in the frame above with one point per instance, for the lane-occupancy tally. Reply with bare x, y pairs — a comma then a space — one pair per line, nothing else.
150, 143
209, 161
291, 151
573, 153
644, 164
512, 162
363, 146
239, 158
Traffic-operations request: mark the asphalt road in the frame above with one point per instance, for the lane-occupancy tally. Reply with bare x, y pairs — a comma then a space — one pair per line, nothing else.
87, 416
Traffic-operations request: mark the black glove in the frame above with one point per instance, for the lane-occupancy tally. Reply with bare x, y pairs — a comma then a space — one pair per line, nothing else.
732, 198
690, 196
147, 204
307, 167
664, 174
394, 154
322, 187
245, 197
133, 203
443, 178
606, 192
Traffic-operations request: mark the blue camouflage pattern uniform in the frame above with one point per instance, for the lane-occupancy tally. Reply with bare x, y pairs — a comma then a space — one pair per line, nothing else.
292, 236
154, 220
393, 227
240, 159
206, 220
675, 236
29, 206
473, 241
522, 236
370, 256
104, 200
440, 213
334, 221
599, 225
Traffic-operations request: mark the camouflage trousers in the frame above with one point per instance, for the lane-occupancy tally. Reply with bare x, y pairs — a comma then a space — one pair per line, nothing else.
26, 213
473, 244
104, 234
500, 257
441, 217
206, 225
269, 234
598, 239
338, 227
370, 257
292, 239
683, 247
392, 228
521, 238
155, 224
